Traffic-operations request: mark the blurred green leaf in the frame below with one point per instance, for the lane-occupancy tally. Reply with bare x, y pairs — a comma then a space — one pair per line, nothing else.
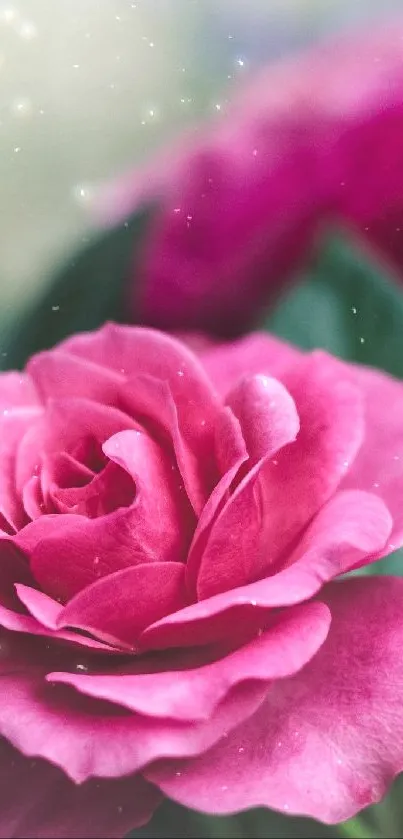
346, 304
172, 821
90, 289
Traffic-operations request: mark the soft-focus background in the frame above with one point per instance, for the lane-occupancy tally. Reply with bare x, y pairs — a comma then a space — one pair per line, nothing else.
89, 87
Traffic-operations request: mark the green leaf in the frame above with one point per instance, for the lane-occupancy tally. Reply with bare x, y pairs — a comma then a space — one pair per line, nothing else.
345, 304
389, 566
90, 289
171, 820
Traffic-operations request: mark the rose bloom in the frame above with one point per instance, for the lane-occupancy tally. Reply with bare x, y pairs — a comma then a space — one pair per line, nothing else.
311, 141
172, 527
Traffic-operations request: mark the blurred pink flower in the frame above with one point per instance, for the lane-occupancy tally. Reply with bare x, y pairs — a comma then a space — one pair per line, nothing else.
313, 139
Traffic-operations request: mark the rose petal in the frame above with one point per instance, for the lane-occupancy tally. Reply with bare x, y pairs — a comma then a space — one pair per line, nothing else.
15, 622
352, 526
194, 694
268, 420
106, 492
277, 499
13, 569
56, 723
183, 403
118, 607
38, 800
379, 465
17, 391
13, 426
39, 605
151, 398
165, 519
257, 353
328, 741
19, 407
64, 425
59, 375
32, 498
231, 455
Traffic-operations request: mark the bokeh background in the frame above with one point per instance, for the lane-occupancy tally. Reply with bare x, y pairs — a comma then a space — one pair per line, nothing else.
91, 87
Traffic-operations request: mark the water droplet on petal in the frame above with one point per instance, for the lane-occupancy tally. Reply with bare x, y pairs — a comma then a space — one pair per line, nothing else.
241, 750
178, 774
180, 373
82, 668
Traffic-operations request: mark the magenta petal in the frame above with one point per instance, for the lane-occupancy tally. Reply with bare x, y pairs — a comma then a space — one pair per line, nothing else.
195, 458
351, 527
14, 622
257, 353
13, 569
379, 464
266, 413
38, 801
237, 547
57, 723
69, 552
194, 694
117, 608
326, 742
169, 385
64, 425
164, 518
14, 424
39, 605
17, 391
211, 509
61, 375
108, 491
276, 501
32, 498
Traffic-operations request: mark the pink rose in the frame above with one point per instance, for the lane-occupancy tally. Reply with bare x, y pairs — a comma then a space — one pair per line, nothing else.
171, 526
313, 140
